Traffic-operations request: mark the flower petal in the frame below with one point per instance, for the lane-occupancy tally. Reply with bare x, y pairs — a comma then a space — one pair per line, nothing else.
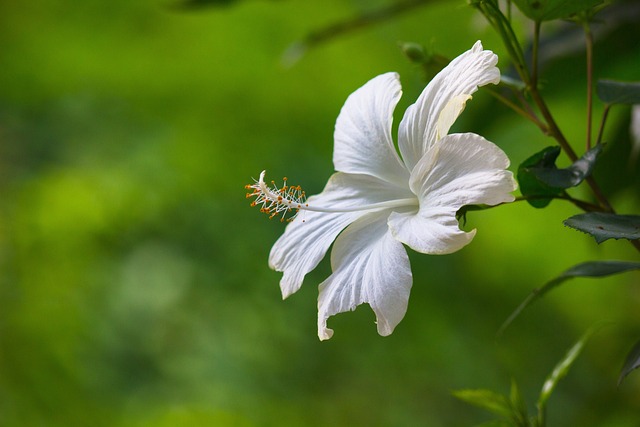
449, 114
363, 142
307, 239
419, 127
459, 170
369, 266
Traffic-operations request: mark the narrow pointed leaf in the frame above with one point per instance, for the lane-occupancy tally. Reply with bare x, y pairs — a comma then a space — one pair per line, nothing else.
486, 399
603, 226
586, 269
561, 369
612, 92
546, 10
519, 407
632, 362
571, 176
538, 193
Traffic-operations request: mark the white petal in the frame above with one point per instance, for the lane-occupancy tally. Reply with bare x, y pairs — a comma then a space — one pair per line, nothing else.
418, 129
363, 142
450, 113
459, 170
369, 266
307, 239
431, 231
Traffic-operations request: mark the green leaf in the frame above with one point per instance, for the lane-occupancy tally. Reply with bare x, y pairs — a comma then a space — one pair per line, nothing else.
632, 362
486, 399
603, 226
546, 10
538, 193
571, 176
612, 92
586, 269
519, 415
561, 370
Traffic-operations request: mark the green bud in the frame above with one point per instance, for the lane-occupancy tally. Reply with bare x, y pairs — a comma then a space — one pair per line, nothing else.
414, 51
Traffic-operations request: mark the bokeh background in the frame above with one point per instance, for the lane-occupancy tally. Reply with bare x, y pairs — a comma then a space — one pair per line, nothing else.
134, 286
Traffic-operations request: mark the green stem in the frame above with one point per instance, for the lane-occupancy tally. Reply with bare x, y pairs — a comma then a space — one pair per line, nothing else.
541, 420
524, 113
554, 130
502, 25
585, 206
363, 20
497, 19
589, 44
605, 114
534, 55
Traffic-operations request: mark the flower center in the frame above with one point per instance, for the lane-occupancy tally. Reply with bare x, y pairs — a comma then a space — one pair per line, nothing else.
288, 200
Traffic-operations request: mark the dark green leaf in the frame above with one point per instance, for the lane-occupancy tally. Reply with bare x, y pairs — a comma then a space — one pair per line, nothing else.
611, 92
538, 193
603, 226
486, 399
546, 10
586, 269
561, 370
571, 176
632, 362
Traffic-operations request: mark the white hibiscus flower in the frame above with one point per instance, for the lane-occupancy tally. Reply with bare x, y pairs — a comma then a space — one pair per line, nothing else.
379, 200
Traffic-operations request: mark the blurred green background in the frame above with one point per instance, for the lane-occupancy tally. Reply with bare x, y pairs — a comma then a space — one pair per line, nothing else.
134, 288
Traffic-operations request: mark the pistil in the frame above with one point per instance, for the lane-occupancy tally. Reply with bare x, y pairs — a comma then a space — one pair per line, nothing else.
290, 200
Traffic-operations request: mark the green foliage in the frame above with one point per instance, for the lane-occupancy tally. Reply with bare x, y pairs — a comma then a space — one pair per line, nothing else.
571, 176
604, 226
592, 269
493, 402
513, 409
559, 372
613, 92
519, 412
547, 10
632, 362
538, 193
